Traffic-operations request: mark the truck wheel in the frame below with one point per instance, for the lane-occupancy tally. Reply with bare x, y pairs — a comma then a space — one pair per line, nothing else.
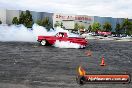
43, 42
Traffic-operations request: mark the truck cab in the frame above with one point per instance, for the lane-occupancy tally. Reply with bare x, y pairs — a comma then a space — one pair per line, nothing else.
61, 36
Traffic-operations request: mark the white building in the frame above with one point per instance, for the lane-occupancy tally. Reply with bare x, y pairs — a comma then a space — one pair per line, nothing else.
70, 20
3, 15
6, 16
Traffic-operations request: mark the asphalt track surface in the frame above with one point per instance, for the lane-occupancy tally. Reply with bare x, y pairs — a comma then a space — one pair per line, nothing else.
29, 65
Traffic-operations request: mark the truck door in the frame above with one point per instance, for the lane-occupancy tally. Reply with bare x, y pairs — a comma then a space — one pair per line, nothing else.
59, 36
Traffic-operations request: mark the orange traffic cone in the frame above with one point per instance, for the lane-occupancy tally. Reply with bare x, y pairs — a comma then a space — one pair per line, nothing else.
102, 62
89, 53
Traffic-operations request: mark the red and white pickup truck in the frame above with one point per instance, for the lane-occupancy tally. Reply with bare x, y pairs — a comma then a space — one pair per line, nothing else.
61, 36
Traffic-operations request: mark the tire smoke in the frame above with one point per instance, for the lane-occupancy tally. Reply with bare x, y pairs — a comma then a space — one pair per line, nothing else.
23, 34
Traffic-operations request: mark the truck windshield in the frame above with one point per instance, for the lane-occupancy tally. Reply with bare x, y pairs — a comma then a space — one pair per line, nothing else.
60, 35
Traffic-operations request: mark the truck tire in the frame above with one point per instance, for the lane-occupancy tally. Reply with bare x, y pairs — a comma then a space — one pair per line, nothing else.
43, 42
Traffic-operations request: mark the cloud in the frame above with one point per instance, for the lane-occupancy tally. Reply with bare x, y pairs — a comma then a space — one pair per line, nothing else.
107, 8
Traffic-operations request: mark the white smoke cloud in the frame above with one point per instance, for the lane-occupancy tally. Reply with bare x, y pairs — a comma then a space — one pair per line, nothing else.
21, 33
66, 44
15, 33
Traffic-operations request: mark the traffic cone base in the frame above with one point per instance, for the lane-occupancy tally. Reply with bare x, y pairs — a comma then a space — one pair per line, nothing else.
102, 64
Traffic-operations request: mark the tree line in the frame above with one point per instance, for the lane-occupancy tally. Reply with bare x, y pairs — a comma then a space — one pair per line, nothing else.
26, 19
124, 28
121, 28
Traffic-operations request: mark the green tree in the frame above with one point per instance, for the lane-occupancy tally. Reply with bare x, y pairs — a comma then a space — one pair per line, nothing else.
46, 23
129, 30
107, 26
57, 24
82, 26
61, 24
90, 28
118, 28
127, 26
21, 18
96, 26
26, 18
15, 21
0, 22
76, 26
28, 21
39, 22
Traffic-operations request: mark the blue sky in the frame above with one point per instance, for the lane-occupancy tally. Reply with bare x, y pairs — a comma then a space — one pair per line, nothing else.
104, 8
